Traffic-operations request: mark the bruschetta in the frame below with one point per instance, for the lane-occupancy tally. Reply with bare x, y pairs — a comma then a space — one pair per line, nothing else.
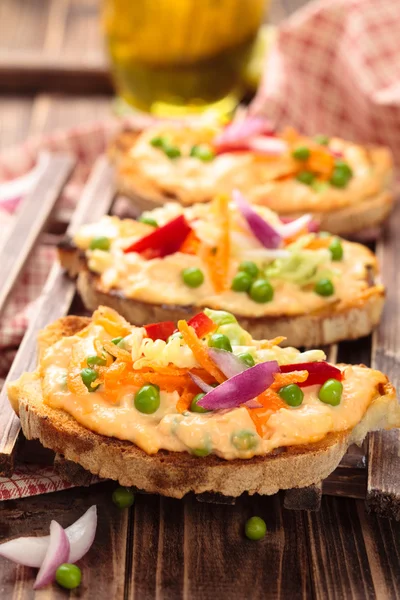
195, 406
344, 185
277, 278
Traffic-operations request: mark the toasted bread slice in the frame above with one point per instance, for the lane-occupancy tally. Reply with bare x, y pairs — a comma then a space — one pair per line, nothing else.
309, 330
369, 213
178, 473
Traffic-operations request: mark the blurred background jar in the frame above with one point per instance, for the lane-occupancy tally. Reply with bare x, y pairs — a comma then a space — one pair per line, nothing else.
173, 57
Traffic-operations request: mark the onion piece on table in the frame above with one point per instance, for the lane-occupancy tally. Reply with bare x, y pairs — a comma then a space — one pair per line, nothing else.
241, 388
227, 362
263, 231
57, 553
30, 551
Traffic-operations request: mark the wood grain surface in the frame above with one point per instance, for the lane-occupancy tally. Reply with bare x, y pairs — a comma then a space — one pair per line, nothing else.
168, 549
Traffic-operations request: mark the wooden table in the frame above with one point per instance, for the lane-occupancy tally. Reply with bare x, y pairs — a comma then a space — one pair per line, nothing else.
164, 548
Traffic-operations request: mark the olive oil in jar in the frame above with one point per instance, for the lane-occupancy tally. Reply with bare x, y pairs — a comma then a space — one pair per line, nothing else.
173, 57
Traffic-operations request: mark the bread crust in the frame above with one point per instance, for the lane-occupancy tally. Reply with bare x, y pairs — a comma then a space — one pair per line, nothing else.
311, 330
175, 474
368, 213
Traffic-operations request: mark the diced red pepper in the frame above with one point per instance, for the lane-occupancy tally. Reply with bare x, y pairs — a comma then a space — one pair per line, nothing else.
162, 241
202, 324
160, 331
318, 372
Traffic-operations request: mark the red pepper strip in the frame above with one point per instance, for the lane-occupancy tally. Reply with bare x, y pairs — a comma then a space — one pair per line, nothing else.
318, 372
160, 331
162, 241
202, 324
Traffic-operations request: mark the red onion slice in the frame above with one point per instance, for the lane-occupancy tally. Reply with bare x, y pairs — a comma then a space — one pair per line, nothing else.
287, 230
263, 231
240, 131
200, 383
227, 362
30, 551
241, 388
270, 146
57, 553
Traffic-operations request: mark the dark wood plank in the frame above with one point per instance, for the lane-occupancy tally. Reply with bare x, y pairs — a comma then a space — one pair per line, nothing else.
308, 498
383, 494
35, 74
55, 301
32, 216
103, 567
221, 563
340, 569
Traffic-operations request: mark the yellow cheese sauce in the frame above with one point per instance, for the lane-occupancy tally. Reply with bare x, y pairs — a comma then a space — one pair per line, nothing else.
265, 180
216, 432
160, 281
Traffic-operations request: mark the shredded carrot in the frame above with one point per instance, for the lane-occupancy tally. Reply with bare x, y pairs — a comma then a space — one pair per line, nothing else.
185, 400
282, 379
99, 348
117, 352
191, 244
200, 353
321, 161
114, 373
112, 322
217, 258
271, 402
169, 383
319, 242
290, 135
75, 383
266, 344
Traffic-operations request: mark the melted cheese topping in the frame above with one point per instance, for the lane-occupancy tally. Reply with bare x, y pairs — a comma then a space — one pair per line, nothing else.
215, 432
263, 179
160, 281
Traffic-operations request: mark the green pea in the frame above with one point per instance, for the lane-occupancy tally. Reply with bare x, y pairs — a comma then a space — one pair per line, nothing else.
172, 151
261, 291
244, 440
148, 221
203, 152
96, 360
301, 153
158, 141
100, 243
241, 282
324, 287
338, 179
88, 377
194, 407
322, 140
201, 452
117, 340
336, 249
68, 576
123, 497
247, 358
147, 399
291, 394
305, 177
249, 267
344, 167
220, 317
331, 392
192, 277
221, 341
255, 528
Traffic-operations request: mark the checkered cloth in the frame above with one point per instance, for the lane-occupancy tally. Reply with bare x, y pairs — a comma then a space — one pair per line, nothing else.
335, 69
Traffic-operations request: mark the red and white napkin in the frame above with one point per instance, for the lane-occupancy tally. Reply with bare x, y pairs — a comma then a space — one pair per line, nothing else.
335, 69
